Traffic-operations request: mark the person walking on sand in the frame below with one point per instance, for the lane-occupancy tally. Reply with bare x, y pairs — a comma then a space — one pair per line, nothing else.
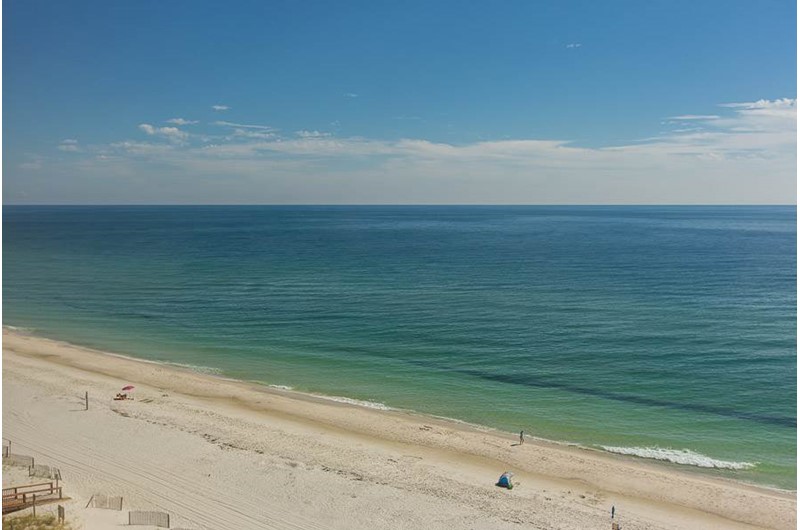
521, 437
613, 509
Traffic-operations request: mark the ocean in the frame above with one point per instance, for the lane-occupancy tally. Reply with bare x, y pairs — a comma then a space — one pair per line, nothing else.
666, 333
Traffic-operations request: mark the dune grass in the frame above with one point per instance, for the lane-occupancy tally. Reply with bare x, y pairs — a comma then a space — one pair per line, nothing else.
40, 522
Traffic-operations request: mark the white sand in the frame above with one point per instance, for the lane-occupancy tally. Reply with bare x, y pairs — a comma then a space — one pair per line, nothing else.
221, 454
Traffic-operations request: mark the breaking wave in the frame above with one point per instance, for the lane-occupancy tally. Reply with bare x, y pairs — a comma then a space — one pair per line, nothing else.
357, 402
194, 368
678, 456
20, 330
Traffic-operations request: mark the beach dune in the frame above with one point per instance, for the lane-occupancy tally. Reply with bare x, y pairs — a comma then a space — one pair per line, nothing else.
217, 453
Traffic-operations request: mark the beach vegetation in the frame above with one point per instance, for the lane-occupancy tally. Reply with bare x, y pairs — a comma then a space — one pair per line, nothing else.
38, 522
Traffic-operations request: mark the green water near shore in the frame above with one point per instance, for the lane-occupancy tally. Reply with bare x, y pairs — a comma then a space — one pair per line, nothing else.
666, 333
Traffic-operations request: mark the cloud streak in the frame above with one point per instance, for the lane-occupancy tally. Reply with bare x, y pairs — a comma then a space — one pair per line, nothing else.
69, 145
181, 121
312, 134
693, 117
171, 133
244, 125
746, 153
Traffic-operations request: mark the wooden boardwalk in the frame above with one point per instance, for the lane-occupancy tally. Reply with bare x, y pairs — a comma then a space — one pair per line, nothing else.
21, 497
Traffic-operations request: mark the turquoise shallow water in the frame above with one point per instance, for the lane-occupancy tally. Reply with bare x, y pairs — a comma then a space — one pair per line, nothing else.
663, 332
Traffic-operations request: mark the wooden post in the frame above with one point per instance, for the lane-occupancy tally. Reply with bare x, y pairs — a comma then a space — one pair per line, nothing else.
87, 400
61, 514
34, 505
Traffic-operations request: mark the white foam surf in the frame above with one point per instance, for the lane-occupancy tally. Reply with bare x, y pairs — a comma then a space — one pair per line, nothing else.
356, 402
195, 368
679, 456
20, 330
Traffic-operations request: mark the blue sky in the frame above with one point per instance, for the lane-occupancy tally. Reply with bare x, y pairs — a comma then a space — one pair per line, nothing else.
399, 102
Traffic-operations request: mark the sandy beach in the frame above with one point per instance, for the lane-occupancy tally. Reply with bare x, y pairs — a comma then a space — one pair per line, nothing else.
217, 453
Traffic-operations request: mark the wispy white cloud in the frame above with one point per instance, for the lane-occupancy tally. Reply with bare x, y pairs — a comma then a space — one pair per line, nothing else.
244, 125
32, 165
220, 108
762, 129
171, 133
572, 45
254, 133
181, 121
688, 117
138, 148
312, 134
763, 115
350, 95
746, 154
782, 103
69, 145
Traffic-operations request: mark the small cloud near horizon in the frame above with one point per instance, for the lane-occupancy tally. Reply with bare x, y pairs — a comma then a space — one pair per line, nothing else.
69, 145
33, 165
312, 134
747, 141
694, 117
181, 121
244, 125
574, 45
171, 133
780, 103
220, 108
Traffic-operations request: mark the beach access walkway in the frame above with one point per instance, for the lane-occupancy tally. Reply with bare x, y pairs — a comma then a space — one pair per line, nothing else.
20, 497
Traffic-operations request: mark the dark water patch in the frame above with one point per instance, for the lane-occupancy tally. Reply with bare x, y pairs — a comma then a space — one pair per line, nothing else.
538, 382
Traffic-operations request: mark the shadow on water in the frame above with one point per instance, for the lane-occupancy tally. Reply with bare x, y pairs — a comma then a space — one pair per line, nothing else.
538, 382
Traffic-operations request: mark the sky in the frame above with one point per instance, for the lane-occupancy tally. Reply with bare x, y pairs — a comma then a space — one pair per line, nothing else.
414, 102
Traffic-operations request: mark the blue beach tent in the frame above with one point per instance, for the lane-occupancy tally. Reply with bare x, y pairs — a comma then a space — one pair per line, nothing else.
505, 480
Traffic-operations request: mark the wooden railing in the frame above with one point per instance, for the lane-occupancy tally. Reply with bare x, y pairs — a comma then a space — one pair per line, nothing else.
19, 497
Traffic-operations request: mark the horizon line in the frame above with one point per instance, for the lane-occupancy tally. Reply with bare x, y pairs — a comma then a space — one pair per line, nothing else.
400, 204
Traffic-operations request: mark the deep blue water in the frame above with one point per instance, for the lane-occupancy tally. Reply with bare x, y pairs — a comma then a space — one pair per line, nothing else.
650, 330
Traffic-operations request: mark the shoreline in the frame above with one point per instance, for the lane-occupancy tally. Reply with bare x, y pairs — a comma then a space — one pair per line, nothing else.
653, 494
217, 373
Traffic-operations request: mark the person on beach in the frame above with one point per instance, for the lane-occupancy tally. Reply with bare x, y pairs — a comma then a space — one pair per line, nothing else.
521, 437
613, 509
